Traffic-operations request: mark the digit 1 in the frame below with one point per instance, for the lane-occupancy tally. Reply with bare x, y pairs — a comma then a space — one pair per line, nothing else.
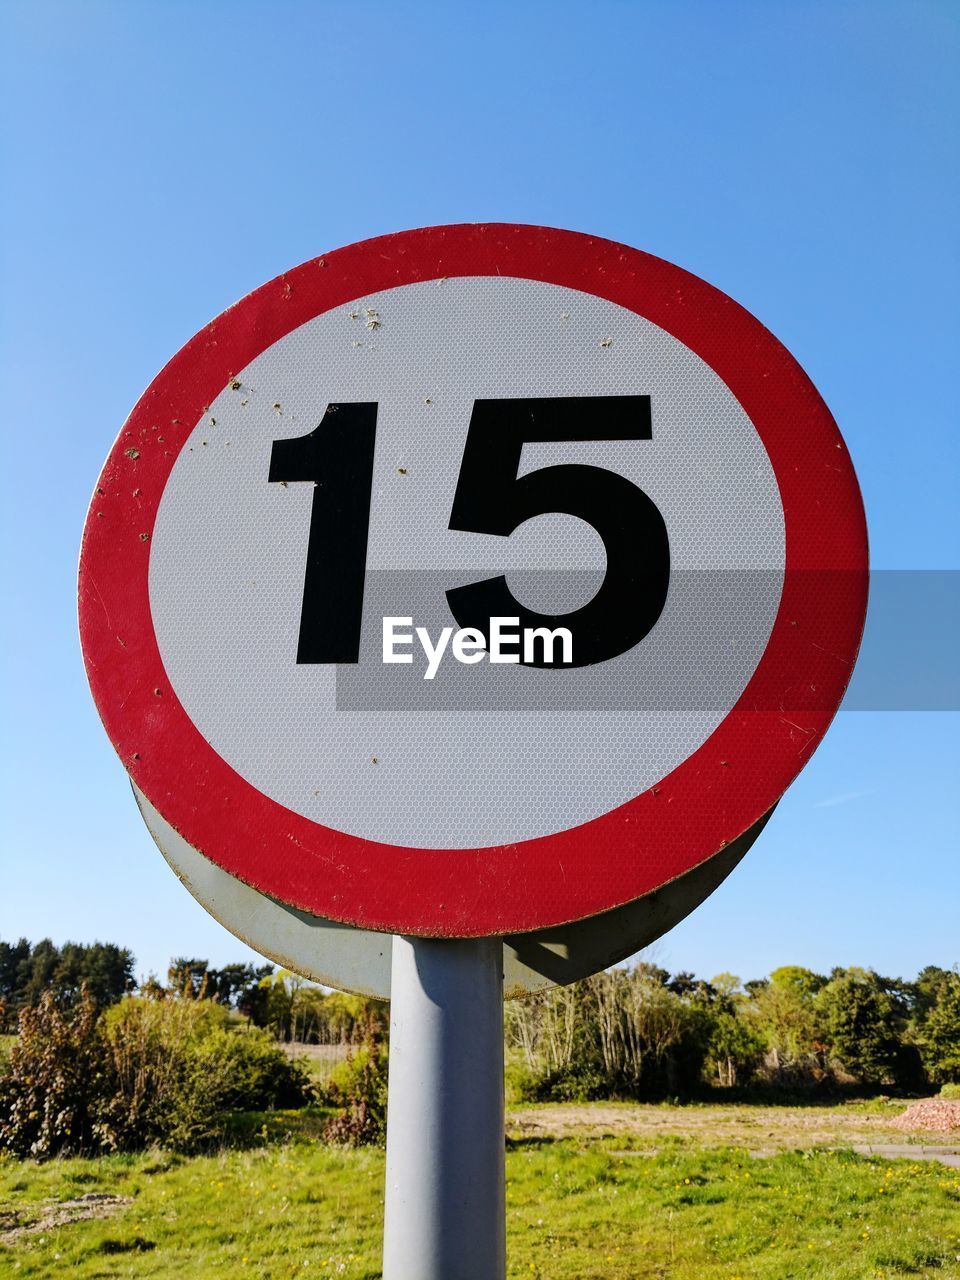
338, 457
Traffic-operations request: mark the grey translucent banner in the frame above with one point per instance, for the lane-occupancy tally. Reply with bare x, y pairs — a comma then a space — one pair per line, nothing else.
699, 657
909, 656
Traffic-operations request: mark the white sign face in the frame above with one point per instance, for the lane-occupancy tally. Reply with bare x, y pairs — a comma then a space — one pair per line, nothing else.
472, 580
376, 751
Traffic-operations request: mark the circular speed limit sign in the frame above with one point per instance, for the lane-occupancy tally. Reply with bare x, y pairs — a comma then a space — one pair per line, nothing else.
472, 580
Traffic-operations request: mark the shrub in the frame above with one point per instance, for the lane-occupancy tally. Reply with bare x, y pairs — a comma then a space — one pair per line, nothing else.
179, 1071
255, 1073
156, 1098
54, 1078
579, 1082
149, 1071
951, 1092
359, 1086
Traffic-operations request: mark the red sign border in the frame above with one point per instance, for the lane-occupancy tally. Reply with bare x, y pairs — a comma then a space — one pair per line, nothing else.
706, 802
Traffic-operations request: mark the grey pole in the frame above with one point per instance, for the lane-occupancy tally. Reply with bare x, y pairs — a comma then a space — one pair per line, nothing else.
444, 1210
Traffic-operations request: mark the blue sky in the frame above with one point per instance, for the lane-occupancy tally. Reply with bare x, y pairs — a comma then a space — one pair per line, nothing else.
160, 160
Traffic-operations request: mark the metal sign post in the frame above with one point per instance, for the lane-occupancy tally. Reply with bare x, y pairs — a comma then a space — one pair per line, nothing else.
444, 1210
481, 585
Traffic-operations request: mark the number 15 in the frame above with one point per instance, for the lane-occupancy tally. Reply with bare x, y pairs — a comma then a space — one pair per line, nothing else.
490, 498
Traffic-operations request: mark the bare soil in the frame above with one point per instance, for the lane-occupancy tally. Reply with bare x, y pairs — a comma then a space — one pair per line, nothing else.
758, 1128
29, 1219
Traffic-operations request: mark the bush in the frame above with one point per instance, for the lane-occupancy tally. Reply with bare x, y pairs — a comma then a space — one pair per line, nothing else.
148, 1071
574, 1083
255, 1074
53, 1081
951, 1092
359, 1086
179, 1071
157, 1097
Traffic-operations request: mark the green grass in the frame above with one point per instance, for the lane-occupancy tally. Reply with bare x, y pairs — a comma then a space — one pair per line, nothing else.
577, 1209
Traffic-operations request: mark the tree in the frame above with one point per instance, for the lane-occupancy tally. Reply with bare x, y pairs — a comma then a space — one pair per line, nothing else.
652, 1042
683, 983
153, 989
652, 973
244, 987
726, 985
782, 1011
228, 985
941, 1032
793, 977
106, 969
39, 972
734, 1050
926, 990
346, 1018
28, 972
14, 958
786, 1021
755, 985
188, 977
14, 971
253, 1000
860, 1023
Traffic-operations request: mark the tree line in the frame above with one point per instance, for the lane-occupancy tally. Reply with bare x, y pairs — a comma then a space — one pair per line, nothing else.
281, 1002
629, 1032
641, 1032
27, 970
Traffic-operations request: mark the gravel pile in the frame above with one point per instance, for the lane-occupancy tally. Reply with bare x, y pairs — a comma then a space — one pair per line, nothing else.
936, 1114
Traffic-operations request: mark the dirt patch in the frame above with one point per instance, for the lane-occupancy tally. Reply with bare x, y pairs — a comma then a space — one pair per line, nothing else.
756, 1128
28, 1219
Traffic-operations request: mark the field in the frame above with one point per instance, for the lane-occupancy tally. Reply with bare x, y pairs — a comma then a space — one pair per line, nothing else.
619, 1192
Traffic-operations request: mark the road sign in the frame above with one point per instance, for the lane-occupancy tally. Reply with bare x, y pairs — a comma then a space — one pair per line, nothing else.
301, 544
359, 960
